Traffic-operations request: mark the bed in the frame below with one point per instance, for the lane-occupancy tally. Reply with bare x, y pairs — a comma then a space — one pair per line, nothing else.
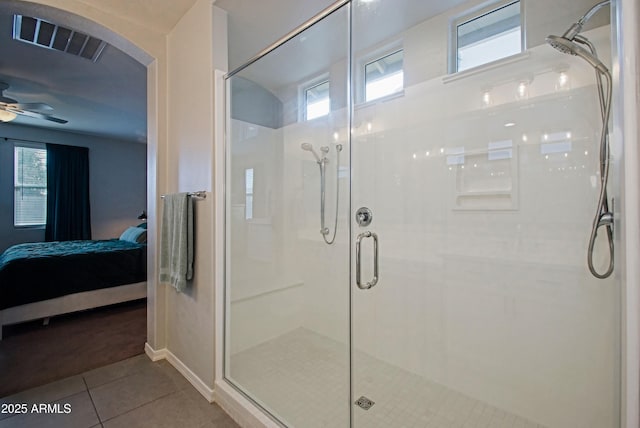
43, 279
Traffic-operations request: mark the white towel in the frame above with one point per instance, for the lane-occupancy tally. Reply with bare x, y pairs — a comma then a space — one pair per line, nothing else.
176, 241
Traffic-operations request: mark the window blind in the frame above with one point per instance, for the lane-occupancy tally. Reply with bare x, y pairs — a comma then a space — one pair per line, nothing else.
30, 186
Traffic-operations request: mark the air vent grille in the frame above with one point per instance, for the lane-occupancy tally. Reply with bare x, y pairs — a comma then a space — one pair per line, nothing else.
45, 34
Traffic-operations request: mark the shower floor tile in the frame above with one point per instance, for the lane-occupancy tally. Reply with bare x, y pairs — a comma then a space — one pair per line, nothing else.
302, 378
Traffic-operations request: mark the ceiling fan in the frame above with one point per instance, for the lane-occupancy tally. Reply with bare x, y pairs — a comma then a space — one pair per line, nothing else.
9, 108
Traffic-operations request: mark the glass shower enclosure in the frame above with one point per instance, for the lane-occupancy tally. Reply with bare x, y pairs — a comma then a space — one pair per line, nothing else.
410, 189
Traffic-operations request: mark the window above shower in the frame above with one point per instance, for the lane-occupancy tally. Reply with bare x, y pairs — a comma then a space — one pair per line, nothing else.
384, 76
486, 35
317, 102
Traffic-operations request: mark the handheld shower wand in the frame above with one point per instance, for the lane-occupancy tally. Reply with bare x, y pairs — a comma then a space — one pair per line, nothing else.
308, 147
322, 163
570, 47
567, 44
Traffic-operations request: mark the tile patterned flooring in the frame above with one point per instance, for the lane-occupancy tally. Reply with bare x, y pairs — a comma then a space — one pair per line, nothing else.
302, 378
132, 393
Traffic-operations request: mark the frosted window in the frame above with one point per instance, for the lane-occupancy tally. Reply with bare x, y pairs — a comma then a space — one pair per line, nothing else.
489, 37
30, 186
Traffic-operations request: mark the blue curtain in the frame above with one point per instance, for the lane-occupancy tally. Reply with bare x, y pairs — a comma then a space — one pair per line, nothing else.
68, 209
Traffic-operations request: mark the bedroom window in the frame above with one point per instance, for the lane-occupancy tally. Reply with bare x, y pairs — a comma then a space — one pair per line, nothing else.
30, 186
487, 36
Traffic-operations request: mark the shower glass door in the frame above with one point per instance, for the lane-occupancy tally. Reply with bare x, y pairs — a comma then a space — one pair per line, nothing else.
410, 189
482, 185
287, 229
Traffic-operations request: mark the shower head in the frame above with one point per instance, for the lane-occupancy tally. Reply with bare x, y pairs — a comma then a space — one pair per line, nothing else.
567, 46
309, 148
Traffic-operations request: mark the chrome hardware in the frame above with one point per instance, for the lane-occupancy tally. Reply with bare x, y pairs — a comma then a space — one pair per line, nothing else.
364, 217
374, 281
605, 219
322, 163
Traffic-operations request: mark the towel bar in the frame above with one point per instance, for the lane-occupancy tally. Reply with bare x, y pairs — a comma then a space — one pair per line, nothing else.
200, 194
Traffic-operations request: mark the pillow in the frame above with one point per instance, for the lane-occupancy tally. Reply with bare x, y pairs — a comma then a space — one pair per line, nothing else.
134, 234
142, 225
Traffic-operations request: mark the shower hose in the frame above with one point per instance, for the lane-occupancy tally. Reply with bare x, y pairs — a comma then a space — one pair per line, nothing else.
603, 216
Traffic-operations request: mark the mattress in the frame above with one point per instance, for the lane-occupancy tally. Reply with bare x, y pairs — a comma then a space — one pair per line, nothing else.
39, 271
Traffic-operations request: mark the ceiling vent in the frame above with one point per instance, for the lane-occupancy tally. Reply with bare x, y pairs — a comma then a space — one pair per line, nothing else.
41, 33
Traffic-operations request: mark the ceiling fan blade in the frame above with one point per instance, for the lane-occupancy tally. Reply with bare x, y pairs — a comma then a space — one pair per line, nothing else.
37, 115
32, 106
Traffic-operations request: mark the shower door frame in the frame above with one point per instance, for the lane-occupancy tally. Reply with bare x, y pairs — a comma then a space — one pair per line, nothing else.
626, 108
239, 404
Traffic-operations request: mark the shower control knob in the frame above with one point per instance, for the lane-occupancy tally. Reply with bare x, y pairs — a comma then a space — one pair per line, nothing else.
364, 216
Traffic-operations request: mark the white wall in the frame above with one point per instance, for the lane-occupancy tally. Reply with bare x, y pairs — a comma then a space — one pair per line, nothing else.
118, 181
191, 57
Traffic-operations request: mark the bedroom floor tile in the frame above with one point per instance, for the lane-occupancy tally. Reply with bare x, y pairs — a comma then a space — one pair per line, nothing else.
131, 393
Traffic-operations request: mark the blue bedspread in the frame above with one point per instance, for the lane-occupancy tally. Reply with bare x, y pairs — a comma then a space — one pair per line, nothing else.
44, 270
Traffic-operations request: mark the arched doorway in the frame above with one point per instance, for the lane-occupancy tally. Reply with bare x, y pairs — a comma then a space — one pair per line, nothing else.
100, 27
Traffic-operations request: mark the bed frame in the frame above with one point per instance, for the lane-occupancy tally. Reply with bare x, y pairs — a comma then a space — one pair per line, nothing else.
72, 303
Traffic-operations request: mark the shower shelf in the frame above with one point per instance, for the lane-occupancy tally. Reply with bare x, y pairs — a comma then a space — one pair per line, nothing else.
490, 181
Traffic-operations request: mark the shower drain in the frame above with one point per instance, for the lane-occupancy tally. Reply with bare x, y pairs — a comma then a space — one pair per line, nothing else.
364, 403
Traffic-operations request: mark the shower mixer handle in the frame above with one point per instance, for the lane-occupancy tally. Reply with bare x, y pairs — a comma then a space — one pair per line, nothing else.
364, 217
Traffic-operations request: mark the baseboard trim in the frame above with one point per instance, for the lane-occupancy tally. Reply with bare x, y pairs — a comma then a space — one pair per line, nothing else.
153, 354
194, 380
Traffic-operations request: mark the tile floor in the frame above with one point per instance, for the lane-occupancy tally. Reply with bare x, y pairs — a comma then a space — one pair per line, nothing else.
302, 377
132, 393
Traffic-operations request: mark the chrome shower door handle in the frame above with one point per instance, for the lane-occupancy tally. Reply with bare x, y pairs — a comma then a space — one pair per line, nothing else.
374, 281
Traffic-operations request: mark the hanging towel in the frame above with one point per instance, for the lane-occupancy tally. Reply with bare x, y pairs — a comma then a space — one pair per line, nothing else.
176, 241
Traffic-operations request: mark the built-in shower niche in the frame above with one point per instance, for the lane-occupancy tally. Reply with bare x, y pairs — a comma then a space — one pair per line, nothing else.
485, 179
